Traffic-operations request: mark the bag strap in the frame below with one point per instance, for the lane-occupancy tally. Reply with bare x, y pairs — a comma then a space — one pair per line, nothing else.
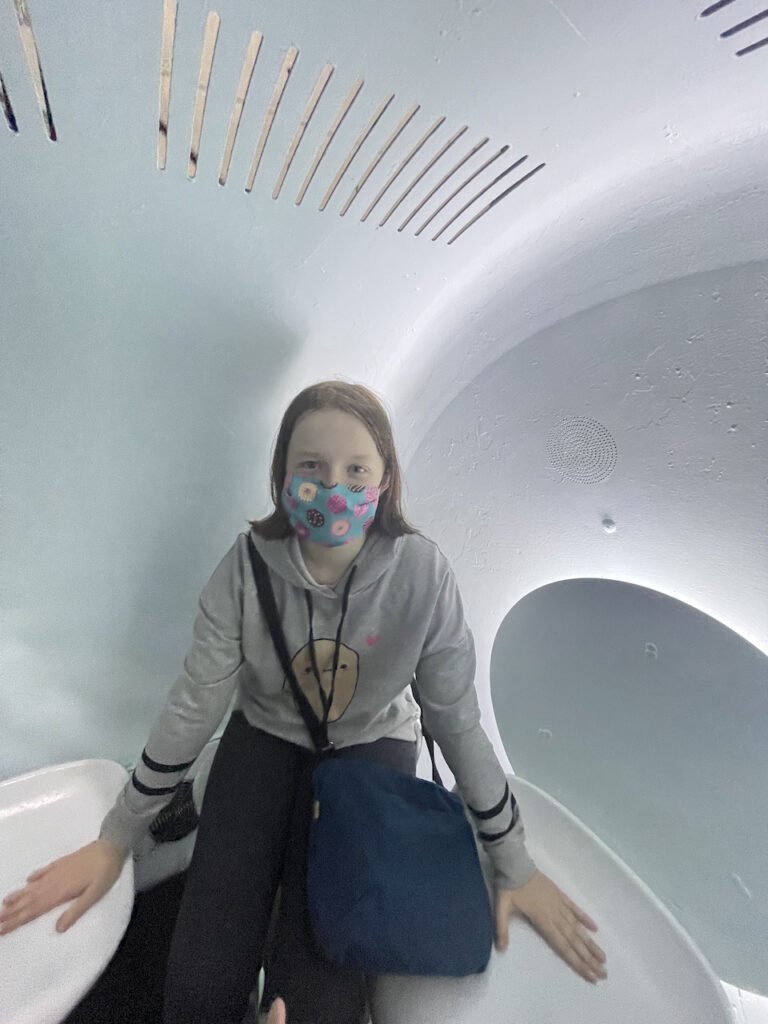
427, 736
318, 729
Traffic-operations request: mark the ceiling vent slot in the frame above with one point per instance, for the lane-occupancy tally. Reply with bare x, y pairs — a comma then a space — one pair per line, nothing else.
462, 186
314, 99
353, 152
351, 96
755, 46
477, 195
210, 37
166, 67
5, 103
403, 164
375, 162
422, 172
343, 109
495, 202
282, 80
35, 70
716, 7
212, 23
740, 27
243, 86
442, 181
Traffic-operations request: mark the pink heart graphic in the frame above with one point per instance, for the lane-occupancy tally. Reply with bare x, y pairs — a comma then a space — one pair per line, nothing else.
371, 640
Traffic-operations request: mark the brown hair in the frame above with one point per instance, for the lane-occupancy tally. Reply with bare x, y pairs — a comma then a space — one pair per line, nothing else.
362, 403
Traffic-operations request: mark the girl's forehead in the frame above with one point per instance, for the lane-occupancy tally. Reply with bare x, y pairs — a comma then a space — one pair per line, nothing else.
331, 429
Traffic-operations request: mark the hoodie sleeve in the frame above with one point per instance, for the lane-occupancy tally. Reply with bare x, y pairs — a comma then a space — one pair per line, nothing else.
445, 675
195, 706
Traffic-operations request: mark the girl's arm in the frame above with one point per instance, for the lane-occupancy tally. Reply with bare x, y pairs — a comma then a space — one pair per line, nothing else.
445, 675
193, 710
446, 679
196, 704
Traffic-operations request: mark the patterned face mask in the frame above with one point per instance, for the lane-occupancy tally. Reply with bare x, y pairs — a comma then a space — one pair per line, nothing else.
329, 515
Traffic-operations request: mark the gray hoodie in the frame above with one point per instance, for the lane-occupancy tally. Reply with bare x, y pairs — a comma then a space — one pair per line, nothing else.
404, 615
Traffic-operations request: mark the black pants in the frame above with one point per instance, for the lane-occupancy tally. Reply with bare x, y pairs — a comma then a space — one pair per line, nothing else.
253, 836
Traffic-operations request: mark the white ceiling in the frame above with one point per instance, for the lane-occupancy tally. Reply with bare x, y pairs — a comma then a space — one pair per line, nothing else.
153, 327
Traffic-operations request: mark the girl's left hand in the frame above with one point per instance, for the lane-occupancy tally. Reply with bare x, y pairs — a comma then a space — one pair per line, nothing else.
276, 1012
556, 919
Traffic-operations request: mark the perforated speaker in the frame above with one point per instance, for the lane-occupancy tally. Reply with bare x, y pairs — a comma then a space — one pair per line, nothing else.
582, 449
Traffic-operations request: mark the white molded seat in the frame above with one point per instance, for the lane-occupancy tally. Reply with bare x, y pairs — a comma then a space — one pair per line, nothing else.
44, 815
655, 972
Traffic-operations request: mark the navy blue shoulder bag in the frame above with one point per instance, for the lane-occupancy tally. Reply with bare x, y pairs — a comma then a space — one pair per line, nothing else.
394, 880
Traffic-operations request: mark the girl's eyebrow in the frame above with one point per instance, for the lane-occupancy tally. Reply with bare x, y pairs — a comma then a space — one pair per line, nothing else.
316, 455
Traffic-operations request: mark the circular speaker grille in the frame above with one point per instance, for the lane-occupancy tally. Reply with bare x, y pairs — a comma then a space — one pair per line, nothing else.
582, 449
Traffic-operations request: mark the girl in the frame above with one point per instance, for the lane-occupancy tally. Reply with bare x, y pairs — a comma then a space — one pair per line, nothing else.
365, 601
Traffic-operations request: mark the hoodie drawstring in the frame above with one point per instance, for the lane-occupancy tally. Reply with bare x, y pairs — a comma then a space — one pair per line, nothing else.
326, 702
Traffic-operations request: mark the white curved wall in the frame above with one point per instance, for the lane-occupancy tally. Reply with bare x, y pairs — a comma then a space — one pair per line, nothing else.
153, 327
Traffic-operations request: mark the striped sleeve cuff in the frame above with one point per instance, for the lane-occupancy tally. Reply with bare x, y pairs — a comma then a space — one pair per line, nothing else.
501, 832
146, 793
152, 778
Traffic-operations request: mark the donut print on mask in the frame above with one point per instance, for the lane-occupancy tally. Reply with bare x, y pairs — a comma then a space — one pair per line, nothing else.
336, 503
328, 515
307, 491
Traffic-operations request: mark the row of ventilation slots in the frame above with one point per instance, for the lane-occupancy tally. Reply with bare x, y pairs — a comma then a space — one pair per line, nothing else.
206, 64
249, 63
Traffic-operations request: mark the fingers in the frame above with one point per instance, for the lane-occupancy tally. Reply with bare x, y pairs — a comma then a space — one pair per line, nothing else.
589, 959
581, 915
504, 908
39, 873
564, 931
76, 911
29, 903
579, 951
22, 911
12, 912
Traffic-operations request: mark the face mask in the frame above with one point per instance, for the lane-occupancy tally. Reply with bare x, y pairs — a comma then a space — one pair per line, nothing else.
329, 515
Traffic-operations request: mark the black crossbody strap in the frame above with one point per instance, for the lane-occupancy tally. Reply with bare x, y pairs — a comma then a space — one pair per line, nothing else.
427, 737
318, 730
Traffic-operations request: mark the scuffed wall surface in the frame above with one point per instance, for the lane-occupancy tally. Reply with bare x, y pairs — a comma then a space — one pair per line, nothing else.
628, 443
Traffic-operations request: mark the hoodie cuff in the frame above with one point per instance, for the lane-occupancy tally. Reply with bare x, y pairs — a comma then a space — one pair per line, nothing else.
125, 829
512, 867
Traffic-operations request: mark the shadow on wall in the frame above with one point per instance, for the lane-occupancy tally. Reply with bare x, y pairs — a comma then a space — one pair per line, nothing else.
218, 470
171, 420
647, 719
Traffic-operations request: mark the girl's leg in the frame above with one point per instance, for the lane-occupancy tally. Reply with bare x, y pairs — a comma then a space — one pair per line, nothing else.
316, 990
218, 941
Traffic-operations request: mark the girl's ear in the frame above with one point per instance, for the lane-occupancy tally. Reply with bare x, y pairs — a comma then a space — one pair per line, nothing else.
385, 481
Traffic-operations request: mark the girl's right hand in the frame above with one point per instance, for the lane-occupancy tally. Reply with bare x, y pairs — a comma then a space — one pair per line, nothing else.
83, 876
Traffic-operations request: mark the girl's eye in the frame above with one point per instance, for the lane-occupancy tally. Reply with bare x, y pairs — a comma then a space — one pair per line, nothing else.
308, 464
359, 469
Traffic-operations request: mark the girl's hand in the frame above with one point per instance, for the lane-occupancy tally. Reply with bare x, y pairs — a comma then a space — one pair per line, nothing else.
277, 1012
556, 919
83, 876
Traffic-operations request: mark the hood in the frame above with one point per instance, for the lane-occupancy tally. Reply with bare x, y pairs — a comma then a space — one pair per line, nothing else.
377, 555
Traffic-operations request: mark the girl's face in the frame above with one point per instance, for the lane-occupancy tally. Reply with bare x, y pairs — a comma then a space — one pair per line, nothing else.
334, 447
